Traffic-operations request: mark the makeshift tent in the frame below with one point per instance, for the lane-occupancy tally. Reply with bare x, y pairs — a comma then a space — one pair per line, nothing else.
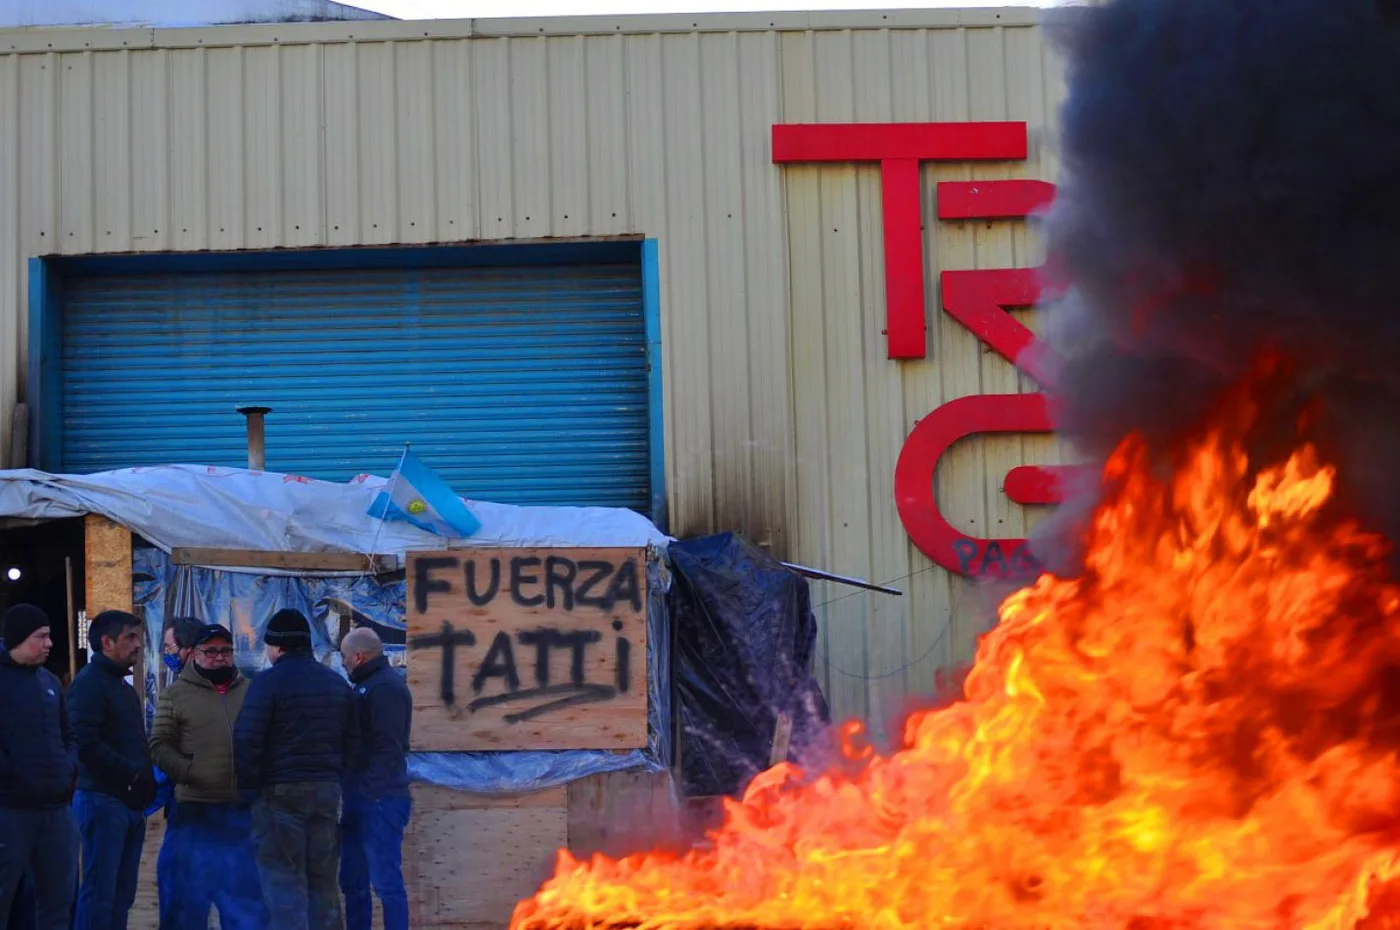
178, 506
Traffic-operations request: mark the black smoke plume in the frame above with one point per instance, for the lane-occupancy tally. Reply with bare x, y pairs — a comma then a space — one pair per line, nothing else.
1231, 186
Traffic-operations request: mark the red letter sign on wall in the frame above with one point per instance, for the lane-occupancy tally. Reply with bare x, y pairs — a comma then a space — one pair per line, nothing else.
977, 299
899, 148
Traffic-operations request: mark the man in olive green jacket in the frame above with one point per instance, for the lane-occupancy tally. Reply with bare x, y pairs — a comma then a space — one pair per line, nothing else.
192, 743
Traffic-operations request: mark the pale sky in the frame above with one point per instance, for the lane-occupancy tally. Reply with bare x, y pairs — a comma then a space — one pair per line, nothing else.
481, 9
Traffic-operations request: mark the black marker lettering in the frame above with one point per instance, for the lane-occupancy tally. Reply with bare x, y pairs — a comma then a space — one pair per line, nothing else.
578, 641
542, 640
499, 663
481, 600
624, 587
560, 572
424, 583
600, 571
519, 578
624, 665
448, 640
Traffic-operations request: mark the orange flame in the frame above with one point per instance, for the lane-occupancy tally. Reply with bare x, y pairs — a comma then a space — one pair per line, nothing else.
1200, 731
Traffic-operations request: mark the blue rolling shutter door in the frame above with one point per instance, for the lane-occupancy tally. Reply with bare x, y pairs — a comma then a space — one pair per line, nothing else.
521, 385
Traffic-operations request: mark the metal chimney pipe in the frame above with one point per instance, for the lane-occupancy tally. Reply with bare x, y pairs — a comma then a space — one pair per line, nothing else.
257, 457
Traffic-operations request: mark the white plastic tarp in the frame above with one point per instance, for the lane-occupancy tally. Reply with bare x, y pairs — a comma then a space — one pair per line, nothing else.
173, 506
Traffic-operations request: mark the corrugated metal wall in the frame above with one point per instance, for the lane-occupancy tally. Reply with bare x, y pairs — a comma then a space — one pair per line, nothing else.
783, 416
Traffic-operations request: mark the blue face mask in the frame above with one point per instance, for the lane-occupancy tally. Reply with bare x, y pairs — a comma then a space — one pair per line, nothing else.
173, 662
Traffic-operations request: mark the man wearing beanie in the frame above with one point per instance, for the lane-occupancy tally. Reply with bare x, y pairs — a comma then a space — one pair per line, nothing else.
210, 832
38, 765
296, 738
115, 777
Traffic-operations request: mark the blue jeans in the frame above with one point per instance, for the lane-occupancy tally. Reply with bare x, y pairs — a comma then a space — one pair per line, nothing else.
296, 845
371, 853
112, 834
170, 872
24, 914
38, 868
208, 858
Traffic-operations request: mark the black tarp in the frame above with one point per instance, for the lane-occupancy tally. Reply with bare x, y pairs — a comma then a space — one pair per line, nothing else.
745, 640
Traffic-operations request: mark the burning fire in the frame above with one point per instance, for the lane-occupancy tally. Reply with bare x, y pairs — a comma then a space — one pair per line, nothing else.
1199, 731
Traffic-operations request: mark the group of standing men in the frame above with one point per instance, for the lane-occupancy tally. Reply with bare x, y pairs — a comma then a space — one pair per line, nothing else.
290, 787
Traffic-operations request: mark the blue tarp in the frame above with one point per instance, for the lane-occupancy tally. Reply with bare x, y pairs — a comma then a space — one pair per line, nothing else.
164, 590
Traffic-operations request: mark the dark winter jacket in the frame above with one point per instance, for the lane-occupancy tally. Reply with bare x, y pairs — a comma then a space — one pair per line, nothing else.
192, 736
297, 725
38, 755
384, 709
113, 757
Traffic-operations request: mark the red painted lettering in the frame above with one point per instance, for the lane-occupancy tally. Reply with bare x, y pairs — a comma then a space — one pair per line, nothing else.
989, 200
977, 299
899, 148
913, 481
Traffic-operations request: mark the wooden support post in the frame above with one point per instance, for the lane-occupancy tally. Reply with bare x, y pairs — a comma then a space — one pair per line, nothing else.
71, 618
782, 738
108, 576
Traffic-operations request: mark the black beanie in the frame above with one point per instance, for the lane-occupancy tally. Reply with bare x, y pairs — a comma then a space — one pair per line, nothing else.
288, 629
21, 621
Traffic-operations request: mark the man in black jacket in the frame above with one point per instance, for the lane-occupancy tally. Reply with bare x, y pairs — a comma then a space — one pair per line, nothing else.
115, 780
377, 803
38, 763
294, 741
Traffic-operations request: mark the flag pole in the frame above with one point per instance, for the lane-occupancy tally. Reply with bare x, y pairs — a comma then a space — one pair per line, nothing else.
393, 483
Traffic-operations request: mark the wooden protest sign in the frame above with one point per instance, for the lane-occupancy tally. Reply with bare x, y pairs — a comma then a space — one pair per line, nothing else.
512, 649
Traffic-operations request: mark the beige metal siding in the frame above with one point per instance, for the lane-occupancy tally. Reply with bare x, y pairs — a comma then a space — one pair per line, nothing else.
783, 416
853, 406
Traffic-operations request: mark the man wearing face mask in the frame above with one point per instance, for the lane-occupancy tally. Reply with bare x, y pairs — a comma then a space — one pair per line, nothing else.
210, 830
178, 644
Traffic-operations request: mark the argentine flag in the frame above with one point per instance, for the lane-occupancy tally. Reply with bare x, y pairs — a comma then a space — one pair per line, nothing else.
417, 495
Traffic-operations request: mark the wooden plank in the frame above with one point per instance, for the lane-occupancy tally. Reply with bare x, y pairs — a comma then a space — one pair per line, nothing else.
292, 561
108, 573
435, 798
471, 866
617, 813
513, 649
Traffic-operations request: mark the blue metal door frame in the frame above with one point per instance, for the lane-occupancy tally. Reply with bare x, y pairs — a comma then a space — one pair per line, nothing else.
47, 274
